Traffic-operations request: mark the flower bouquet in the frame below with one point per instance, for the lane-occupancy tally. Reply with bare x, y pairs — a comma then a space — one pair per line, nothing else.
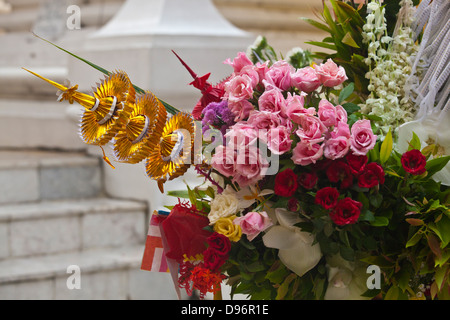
315, 186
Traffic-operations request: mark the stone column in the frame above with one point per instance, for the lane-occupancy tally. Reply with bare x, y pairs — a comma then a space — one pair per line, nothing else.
139, 40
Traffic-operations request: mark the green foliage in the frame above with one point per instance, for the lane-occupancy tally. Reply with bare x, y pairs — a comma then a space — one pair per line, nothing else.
344, 44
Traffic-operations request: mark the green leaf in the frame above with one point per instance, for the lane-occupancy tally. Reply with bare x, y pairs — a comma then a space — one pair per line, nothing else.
351, 107
322, 45
436, 165
277, 272
380, 222
256, 266
414, 143
386, 147
376, 200
443, 225
414, 239
316, 24
346, 92
184, 194
284, 288
348, 40
347, 253
392, 293
440, 276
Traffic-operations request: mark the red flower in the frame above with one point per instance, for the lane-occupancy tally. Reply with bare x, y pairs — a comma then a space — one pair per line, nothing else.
356, 162
205, 280
347, 211
213, 259
414, 162
286, 183
220, 243
308, 179
372, 175
327, 197
340, 172
200, 278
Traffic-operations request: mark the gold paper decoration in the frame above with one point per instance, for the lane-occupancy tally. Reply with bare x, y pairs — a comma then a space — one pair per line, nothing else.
99, 121
141, 131
137, 126
173, 154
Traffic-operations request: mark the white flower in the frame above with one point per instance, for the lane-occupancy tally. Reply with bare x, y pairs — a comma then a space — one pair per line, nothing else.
296, 248
223, 205
372, 6
346, 281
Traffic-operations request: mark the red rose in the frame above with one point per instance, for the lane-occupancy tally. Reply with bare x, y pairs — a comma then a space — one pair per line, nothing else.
308, 179
356, 162
372, 175
414, 162
219, 243
340, 172
286, 183
213, 260
347, 211
327, 197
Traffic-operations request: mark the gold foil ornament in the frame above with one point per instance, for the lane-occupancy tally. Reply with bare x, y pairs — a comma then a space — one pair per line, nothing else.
99, 121
141, 131
137, 127
173, 154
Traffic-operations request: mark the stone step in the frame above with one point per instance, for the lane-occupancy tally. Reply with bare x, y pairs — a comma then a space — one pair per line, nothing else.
32, 175
104, 274
38, 124
50, 227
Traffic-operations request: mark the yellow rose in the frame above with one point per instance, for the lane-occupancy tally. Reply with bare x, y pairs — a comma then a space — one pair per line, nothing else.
226, 227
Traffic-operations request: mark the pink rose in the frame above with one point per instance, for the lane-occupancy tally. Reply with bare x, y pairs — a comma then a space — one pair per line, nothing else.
330, 74
305, 153
327, 113
250, 166
272, 100
262, 69
305, 79
241, 135
341, 130
224, 160
252, 73
239, 88
279, 75
241, 109
341, 114
362, 137
295, 107
239, 62
253, 223
310, 129
278, 140
264, 120
336, 148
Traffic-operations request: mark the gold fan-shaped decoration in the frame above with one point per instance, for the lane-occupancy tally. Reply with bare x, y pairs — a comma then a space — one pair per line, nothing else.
141, 130
99, 122
173, 154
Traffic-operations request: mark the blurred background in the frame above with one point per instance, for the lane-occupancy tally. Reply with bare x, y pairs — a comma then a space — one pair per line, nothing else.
61, 205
